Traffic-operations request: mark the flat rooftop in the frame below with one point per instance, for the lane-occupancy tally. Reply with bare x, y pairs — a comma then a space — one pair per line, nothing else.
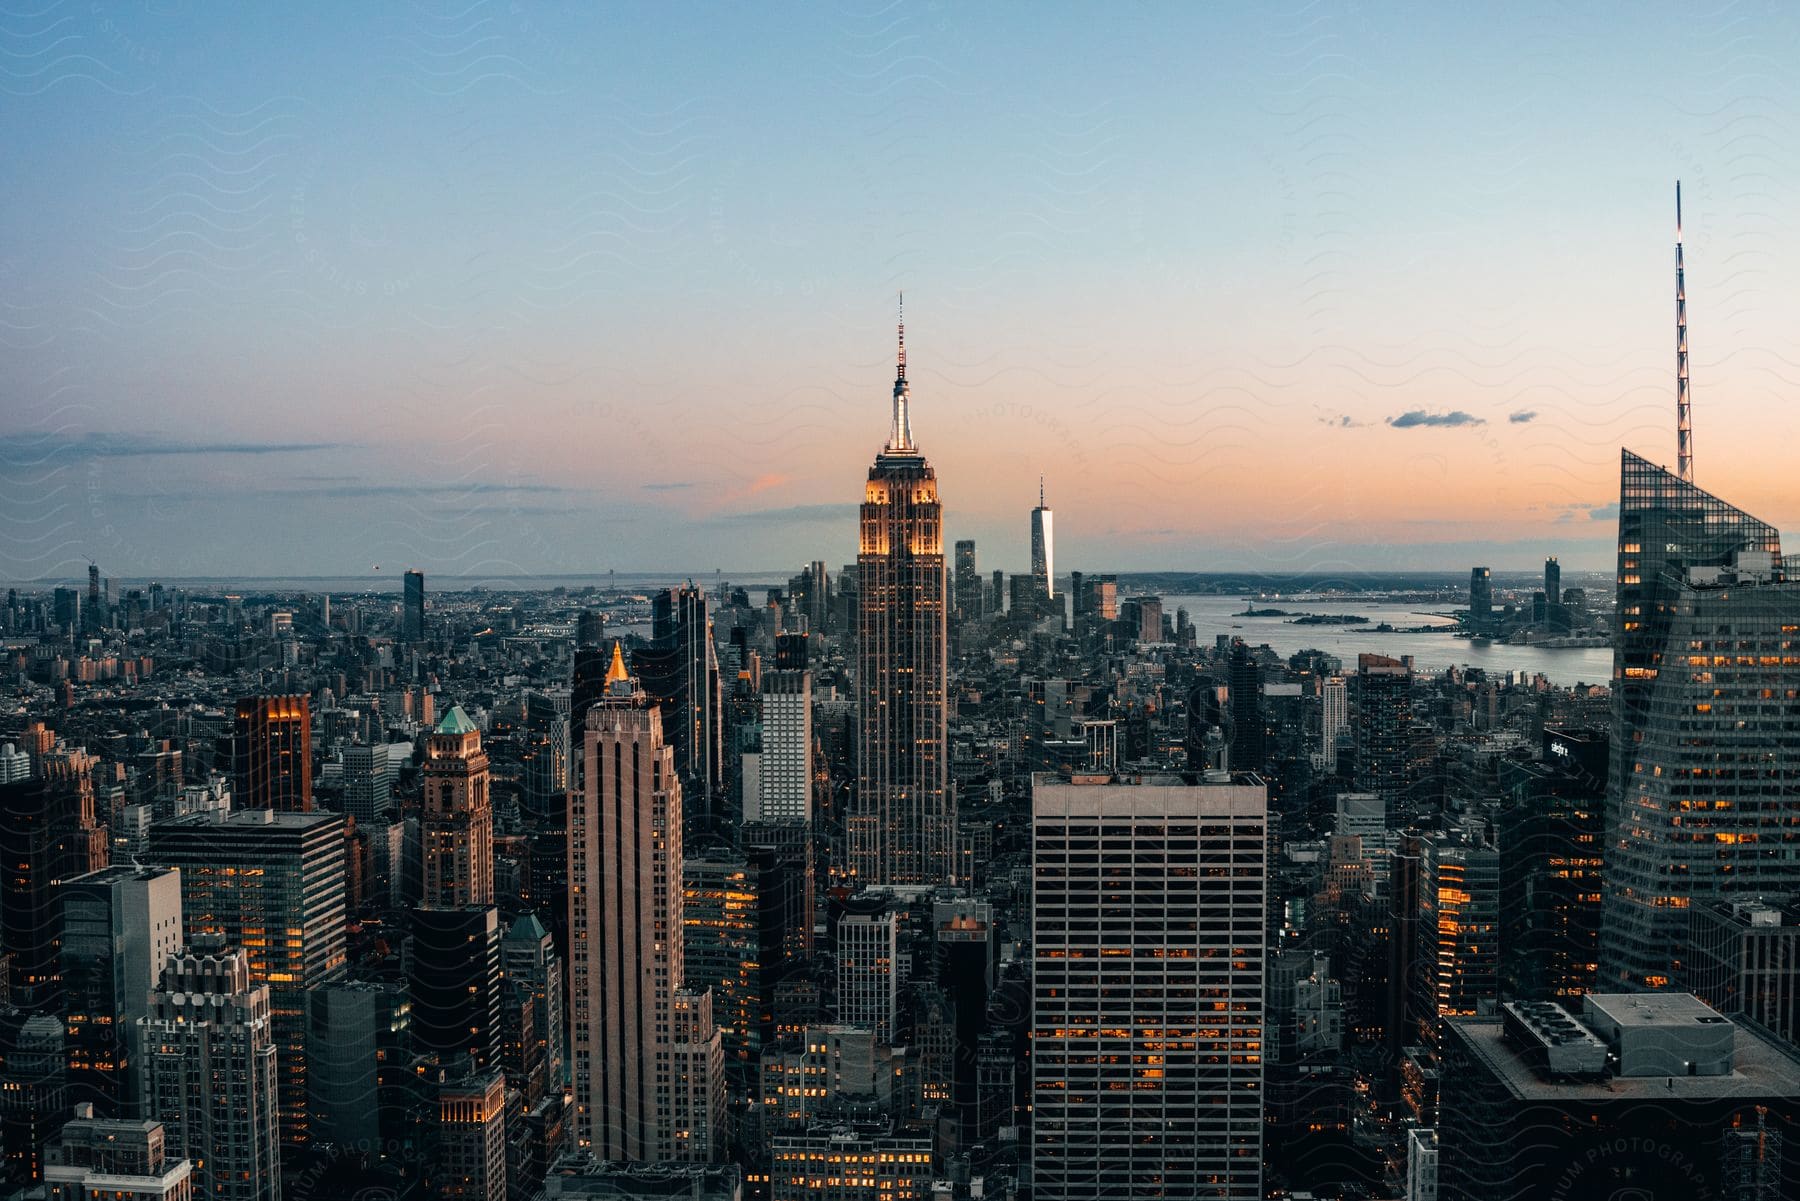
1665, 1010
1761, 1068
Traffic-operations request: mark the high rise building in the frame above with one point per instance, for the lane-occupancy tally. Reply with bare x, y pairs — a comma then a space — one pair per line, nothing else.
1384, 731
625, 930
95, 610
109, 1159
457, 830
868, 972
272, 754
368, 786
1704, 794
784, 766
968, 593
412, 607
1550, 830
680, 672
51, 835
470, 1159
209, 1070
1458, 929
1043, 547
119, 926
273, 884
1334, 719
1481, 600
453, 974
1153, 1089
1552, 581
530, 962
903, 818
360, 1064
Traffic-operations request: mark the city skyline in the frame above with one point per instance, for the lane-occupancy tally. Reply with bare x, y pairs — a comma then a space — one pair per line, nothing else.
1341, 332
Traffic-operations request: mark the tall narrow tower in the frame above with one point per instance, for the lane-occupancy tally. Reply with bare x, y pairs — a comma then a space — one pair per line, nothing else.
904, 818
1684, 424
1043, 550
458, 826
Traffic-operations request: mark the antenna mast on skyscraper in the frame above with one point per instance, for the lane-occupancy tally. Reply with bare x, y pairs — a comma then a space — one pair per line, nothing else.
1684, 415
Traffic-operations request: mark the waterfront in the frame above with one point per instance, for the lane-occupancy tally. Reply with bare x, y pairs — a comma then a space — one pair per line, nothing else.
1215, 615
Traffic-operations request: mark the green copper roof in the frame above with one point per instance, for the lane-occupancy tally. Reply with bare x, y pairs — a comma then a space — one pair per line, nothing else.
457, 722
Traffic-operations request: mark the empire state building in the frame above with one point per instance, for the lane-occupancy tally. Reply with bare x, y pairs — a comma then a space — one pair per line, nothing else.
903, 821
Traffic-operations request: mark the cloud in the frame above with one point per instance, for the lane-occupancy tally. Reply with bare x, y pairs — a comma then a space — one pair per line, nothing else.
1605, 512
671, 486
358, 491
1343, 421
30, 448
1523, 416
832, 512
1416, 417
763, 483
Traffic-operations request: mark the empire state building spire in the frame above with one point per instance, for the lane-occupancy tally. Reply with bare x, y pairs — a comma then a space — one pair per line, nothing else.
900, 440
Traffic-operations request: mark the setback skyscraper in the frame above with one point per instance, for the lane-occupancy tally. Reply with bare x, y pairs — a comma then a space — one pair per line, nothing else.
625, 929
458, 827
903, 819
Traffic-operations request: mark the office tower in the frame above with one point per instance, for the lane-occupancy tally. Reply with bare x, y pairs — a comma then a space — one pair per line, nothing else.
412, 607
272, 754
1481, 600
551, 739
530, 963
1704, 796
119, 926
818, 599
996, 603
966, 956
51, 835
1637, 1097
1384, 732
1458, 930
274, 884
1334, 720
680, 672
66, 610
546, 753
903, 817
868, 972
1552, 581
1249, 727
453, 978
722, 946
1550, 830
968, 591
470, 1159
1744, 958
368, 786
1155, 1089
102, 1159
625, 923
95, 611
360, 1064
1043, 547
209, 1070
33, 1092
457, 829
784, 787
696, 1078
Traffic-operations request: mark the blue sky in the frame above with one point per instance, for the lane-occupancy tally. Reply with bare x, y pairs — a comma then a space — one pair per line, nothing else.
493, 289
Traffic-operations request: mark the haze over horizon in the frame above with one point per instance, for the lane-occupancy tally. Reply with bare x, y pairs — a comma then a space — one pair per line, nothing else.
491, 293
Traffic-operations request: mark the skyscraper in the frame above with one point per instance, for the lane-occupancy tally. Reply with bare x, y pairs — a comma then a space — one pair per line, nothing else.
1334, 719
680, 672
272, 754
1383, 731
1552, 582
785, 764
1043, 547
368, 786
625, 930
1152, 1088
969, 593
119, 926
903, 818
458, 827
51, 835
209, 1070
1704, 794
868, 972
412, 608
1481, 600
274, 884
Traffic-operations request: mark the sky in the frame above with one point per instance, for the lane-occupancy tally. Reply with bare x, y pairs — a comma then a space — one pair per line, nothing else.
494, 289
